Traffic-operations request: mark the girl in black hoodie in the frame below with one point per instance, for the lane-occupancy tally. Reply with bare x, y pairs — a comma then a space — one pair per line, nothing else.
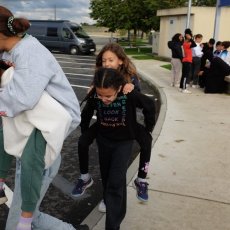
116, 124
176, 47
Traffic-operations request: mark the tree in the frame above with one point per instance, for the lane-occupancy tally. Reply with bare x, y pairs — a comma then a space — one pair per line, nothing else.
135, 14
204, 2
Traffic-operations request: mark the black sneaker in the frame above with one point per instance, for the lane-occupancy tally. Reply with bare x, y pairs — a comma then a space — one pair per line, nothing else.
82, 227
81, 186
3, 198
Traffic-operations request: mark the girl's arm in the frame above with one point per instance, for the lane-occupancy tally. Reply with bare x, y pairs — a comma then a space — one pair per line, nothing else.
193, 44
148, 109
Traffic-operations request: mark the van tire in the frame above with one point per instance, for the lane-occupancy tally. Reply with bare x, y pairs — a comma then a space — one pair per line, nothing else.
74, 50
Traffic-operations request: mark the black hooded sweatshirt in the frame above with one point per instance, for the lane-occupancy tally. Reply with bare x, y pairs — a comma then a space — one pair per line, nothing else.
117, 121
176, 49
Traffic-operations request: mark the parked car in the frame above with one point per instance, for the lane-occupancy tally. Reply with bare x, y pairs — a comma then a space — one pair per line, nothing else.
62, 35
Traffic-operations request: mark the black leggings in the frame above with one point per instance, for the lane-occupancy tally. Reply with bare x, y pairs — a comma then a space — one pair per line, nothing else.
143, 138
186, 68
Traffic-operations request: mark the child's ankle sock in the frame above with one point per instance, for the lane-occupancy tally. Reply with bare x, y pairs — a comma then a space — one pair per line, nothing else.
85, 177
24, 223
141, 179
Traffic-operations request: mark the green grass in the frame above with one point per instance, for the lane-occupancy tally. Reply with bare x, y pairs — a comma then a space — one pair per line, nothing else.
168, 66
138, 51
139, 42
145, 53
126, 43
142, 57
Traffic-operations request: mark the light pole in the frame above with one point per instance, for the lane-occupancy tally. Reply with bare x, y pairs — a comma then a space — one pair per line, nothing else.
217, 20
55, 12
188, 14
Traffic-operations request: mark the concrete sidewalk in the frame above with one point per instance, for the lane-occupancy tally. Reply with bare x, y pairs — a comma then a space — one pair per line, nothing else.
189, 176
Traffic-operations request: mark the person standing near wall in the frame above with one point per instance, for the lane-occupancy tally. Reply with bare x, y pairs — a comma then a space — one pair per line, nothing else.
187, 60
177, 55
196, 60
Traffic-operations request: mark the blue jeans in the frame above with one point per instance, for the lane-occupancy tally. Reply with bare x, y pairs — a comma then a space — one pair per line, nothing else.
41, 221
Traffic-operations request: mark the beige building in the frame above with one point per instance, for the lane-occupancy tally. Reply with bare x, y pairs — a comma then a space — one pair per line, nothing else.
202, 20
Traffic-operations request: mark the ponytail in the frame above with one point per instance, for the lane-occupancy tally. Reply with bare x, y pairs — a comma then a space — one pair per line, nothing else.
11, 26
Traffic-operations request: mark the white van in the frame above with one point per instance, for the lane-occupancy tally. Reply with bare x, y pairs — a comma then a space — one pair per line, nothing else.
62, 35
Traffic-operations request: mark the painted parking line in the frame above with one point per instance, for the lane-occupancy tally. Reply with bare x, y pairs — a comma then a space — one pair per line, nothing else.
75, 58
9, 195
80, 86
81, 68
81, 79
80, 74
149, 95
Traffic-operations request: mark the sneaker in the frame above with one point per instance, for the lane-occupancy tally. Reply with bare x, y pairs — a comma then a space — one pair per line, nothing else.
186, 91
142, 190
172, 84
3, 198
180, 90
81, 186
102, 207
195, 86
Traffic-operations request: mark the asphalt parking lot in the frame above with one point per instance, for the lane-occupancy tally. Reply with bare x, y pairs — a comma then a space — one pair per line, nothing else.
58, 201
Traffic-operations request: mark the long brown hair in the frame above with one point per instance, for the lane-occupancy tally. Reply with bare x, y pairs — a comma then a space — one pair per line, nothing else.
10, 26
127, 69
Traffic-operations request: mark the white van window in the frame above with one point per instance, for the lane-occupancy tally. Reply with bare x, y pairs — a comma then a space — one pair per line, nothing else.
52, 31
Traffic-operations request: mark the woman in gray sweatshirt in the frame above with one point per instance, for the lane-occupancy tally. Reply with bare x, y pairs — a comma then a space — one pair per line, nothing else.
36, 71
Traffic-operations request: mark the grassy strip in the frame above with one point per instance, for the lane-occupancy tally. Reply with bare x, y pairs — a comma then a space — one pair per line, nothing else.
168, 66
145, 53
139, 42
138, 51
142, 57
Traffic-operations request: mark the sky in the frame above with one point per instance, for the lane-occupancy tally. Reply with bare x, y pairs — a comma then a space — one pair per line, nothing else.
73, 10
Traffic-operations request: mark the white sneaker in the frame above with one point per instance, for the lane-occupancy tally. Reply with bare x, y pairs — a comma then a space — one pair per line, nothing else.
102, 207
180, 90
186, 91
172, 85
195, 86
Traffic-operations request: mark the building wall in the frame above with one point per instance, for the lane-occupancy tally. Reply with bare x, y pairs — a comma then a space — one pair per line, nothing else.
202, 20
224, 31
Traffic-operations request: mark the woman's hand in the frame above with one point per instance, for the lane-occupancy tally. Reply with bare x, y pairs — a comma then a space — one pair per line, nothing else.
128, 88
200, 73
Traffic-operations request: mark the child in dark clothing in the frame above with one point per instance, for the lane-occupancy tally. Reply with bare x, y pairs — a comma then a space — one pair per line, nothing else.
112, 56
116, 130
187, 60
177, 55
